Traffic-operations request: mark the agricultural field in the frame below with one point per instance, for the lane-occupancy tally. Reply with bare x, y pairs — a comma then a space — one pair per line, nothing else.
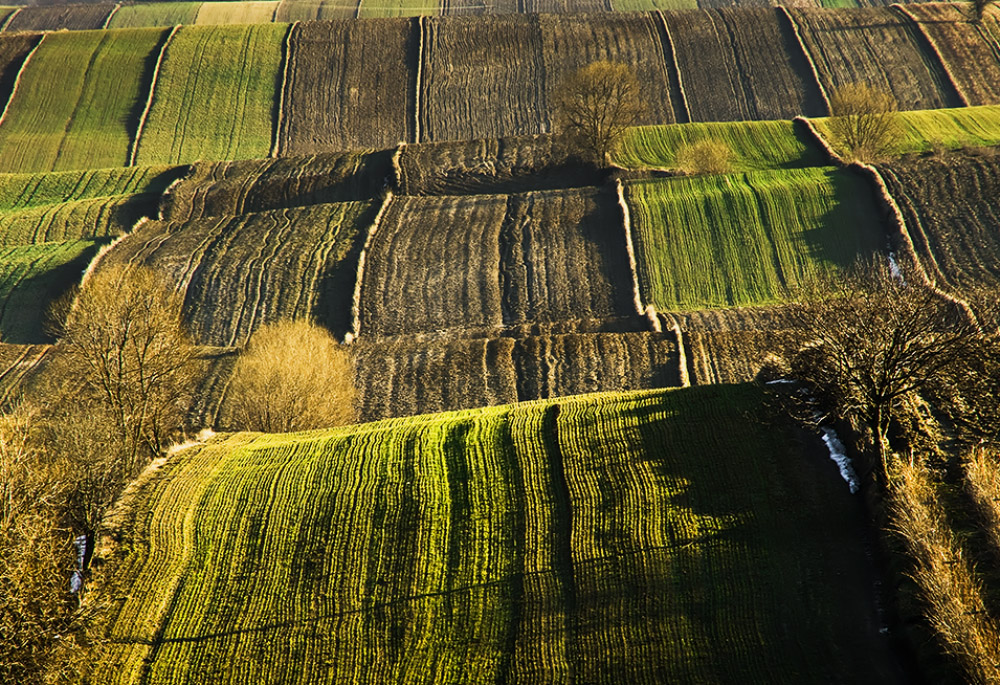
649, 5
755, 145
969, 54
103, 217
314, 10
13, 50
406, 8
22, 191
742, 239
155, 14
238, 273
57, 17
925, 130
517, 543
347, 85
739, 64
878, 47
950, 210
484, 262
214, 13
31, 277
206, 70
90, 119
241, 187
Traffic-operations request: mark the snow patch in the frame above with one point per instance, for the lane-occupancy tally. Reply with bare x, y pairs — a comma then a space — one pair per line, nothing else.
203, 436
839, 456
894, 269
76, 580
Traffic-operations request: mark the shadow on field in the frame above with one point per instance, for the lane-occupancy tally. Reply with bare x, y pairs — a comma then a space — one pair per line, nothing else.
853, 229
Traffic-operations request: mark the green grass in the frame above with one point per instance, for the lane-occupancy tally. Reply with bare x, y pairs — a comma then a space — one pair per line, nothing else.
31, 276
155, 14
740, 239
21, 191
399, 8
102, 217
647, 5
950, 128
82, 118
236, 12
755, 145
215, 98
644, 537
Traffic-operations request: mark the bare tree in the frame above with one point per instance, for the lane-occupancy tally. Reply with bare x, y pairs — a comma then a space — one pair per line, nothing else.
292, 376
870, 340
595, 105
864, 121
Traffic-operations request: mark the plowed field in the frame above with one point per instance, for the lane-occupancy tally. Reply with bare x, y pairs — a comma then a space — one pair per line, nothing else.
155, 14
56, 17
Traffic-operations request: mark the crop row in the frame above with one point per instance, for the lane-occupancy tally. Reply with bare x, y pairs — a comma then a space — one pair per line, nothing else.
743, 239
607, 538
150, 96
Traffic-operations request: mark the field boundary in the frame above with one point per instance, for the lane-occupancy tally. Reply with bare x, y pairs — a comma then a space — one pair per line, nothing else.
134, 152
280, 114
17, 79
418, 78
629, 246
355, 327
107, 21
399, 179
674, 72
794, 26
10, 19
818, 138
924, 37
682, 362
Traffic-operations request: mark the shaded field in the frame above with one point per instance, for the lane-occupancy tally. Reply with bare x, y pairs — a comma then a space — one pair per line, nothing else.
89, 119
102, 217
732, 356
13, 51
401, 378
951, 213
241, 187
21, 191
56, 17
527, 543
485, 262
967, 51
238, 273
878, 47
213, 13
742, 239
208, 70
155, 14
31, 277
755, 145
348, 85
739, 64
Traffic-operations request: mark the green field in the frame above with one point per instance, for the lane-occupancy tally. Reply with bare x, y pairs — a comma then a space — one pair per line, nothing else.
951, 128
236, 12
155, 14
86, 119
101, 217
754, 144
31, 276
650, 537
741, 239
398, 8
215, 97
21, 191
647, 5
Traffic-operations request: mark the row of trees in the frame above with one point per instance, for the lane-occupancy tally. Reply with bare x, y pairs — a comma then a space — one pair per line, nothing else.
117, 392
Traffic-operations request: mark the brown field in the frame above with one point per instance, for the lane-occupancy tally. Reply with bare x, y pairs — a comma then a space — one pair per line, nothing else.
878, 47
241, 187
564, 6
734, 356
238, 273
950, 210
485, 262
348, 86
57, 17
739, 64
481, 78
971, 58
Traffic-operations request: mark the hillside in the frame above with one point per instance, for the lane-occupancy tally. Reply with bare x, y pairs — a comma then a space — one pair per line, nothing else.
641, 536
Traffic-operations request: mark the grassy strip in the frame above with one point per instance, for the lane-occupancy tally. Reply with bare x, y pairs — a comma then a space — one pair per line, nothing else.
924, 130
85, 122
398, 8
643, 537
755, 145
215, 13
742, 239
155, 14
103, 217
209, 70
647, 5
20, 191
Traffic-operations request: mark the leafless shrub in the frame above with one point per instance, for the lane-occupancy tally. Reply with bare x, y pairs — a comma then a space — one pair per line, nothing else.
864, 121
705, 156
292, 376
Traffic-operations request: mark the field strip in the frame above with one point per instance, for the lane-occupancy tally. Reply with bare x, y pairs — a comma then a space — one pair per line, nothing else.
355, 328
419, 78
133, 154
794, 26
682, 361
932, 47
10, 18
17, 79
629, 247
681, 106
286, 60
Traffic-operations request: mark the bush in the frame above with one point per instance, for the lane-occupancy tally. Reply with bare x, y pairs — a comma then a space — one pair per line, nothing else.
292, 376
705, 157
864, 121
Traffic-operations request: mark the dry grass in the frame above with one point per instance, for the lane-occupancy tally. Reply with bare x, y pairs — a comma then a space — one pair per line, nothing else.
982, 481
947, 581
706, 156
